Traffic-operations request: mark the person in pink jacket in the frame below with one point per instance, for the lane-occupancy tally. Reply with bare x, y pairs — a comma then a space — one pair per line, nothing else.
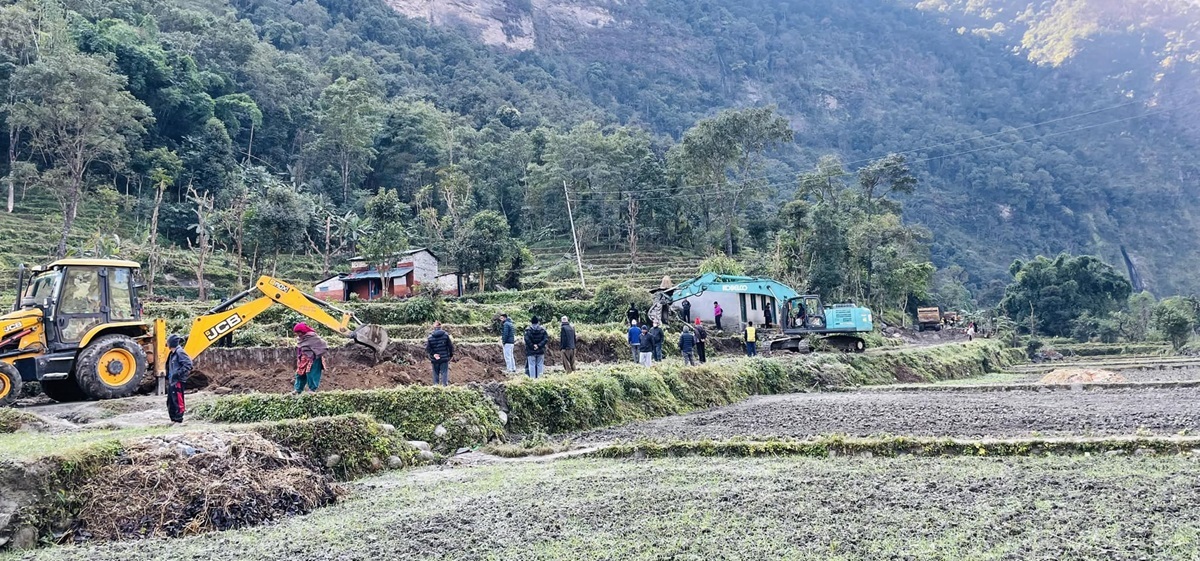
718, 312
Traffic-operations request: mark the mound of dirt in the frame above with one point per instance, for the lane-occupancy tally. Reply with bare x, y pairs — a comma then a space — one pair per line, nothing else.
1081, 376
194, 483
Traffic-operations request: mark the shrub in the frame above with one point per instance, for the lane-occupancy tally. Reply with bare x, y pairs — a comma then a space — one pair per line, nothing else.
612, 300
722, 265
362, 443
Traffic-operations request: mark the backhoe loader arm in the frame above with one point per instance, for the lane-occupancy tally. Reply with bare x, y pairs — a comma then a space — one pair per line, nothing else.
228, 316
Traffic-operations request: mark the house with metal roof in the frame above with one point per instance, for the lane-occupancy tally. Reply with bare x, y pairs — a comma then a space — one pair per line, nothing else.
409, 270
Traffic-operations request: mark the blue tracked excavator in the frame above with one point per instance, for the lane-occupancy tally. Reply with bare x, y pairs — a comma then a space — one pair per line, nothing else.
801, 317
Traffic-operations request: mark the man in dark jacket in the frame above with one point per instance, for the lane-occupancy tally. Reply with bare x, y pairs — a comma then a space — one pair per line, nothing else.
535, 347
646, 348
686, 306
687, 344
508, 338
566, 343
701, 340
440, 349
179, 366
632, 315
656, 333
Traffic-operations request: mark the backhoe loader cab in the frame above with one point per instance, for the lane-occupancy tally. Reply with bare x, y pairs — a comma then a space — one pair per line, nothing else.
77, 329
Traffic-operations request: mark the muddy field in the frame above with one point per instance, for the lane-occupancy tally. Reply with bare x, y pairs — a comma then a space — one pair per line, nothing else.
766, 509
955, 413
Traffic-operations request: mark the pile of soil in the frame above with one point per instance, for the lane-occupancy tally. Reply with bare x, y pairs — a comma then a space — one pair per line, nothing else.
189, 484
1081, 376
353, 367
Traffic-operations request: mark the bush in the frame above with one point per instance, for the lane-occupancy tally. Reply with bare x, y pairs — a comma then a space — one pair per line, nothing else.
416, 411
362, 443
612, 300
722, 265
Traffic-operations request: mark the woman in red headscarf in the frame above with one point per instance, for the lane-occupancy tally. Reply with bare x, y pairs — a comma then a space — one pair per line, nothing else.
310, 358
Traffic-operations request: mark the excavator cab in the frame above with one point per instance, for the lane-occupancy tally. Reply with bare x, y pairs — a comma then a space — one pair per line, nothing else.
76, 328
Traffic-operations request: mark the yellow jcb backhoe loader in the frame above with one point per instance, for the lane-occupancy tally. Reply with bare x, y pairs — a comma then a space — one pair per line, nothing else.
77, 329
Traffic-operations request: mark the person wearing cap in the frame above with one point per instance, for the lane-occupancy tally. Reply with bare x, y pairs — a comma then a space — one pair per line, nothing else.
535, 347
440, 348
310, 358
566, 344
179, 366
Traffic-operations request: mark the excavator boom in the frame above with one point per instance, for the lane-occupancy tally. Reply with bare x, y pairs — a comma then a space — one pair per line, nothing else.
231, 314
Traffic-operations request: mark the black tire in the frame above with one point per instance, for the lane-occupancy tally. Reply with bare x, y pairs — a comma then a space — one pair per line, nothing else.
63, 391
10, 384
110, 367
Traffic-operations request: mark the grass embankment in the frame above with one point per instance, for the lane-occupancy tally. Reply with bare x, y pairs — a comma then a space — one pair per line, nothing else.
467, 417
895, 446
736, 508
610, 395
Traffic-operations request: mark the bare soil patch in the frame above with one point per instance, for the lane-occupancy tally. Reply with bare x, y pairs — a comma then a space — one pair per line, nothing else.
1082, 376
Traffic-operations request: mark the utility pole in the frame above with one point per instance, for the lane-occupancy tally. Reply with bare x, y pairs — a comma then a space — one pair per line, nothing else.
574, 236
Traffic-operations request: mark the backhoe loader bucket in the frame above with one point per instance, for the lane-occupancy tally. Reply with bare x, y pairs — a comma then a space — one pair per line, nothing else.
373, 337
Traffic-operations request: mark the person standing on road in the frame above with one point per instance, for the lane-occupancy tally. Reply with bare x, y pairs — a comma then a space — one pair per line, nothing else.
751, 338
701, 340
687, 344
179, 366
310, 358
769, 315
632, 315
440, 348
657, 336
508, 338
535, 348
635, 338
646, 348
686, 306
971, 332
718, 312
566, 343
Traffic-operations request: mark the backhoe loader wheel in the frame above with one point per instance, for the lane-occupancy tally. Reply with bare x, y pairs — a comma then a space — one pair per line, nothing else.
10, 384
112, 366
63, 391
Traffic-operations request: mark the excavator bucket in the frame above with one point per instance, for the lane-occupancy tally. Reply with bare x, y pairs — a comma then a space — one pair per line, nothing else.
373, 337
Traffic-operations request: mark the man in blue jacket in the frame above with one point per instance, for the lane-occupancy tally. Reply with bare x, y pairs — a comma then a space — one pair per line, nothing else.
635, 338
508, 338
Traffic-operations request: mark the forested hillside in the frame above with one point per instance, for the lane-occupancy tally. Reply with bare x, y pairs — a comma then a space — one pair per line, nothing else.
331, 127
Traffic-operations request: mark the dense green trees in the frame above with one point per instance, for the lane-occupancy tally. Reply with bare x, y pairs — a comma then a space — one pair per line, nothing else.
297, 118
1048, 295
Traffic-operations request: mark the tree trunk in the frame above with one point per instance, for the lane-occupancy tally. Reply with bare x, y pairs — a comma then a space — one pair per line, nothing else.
328, 233
633, 236
482, 281
12, 159
158, 197
70, 211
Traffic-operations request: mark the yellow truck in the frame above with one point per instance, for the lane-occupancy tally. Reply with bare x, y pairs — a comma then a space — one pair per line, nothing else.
929, 318
77, 329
